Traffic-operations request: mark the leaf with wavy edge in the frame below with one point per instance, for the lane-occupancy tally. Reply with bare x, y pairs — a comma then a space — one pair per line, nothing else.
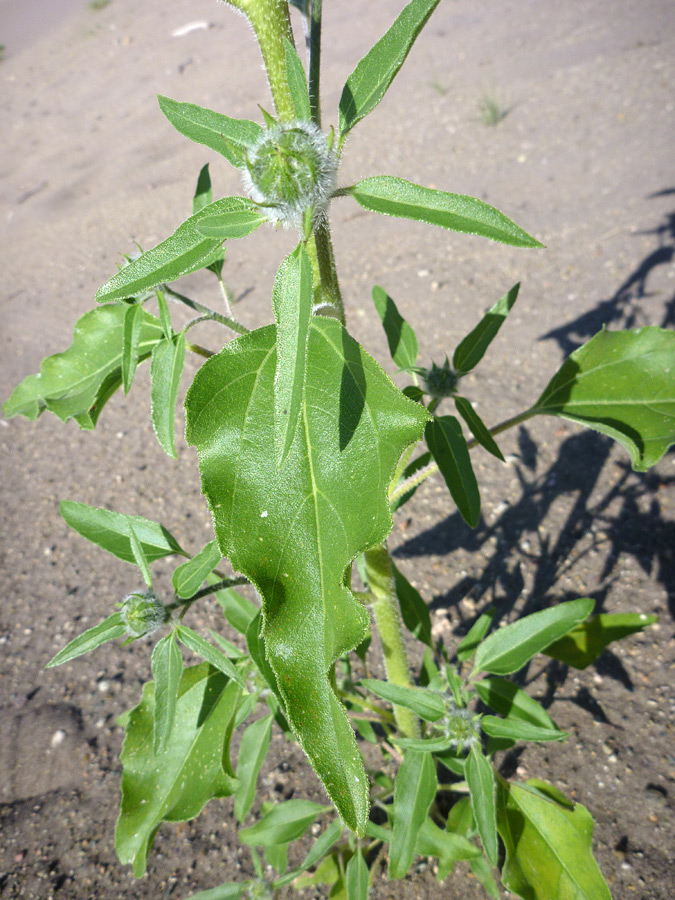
294, 530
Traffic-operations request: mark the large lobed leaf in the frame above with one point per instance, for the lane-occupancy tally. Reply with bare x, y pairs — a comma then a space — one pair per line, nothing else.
174, 784
76, 383
548, 844
621, 383
294, 530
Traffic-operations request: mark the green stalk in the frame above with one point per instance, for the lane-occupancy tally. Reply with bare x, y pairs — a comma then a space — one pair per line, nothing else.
271, 23
387, 615
315, 59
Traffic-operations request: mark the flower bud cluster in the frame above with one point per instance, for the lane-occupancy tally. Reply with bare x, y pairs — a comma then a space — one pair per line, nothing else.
461, 726
291, 170
439, 381
142, 612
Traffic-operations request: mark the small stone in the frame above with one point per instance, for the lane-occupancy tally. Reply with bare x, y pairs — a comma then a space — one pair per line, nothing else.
58, 737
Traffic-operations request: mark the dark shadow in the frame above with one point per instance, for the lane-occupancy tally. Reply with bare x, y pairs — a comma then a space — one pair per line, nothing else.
352, 390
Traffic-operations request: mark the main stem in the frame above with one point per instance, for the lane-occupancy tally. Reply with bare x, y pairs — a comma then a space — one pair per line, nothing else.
381, 584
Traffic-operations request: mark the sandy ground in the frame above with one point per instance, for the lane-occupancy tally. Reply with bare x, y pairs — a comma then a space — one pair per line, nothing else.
583, 160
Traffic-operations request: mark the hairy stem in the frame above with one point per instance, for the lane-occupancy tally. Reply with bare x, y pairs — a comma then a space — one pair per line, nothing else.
315, 60
205, 311
388, 620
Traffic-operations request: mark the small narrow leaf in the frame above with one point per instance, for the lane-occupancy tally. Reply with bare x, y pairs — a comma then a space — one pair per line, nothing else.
410, 471
621, 383
446, 847
356, 877
78, 382
230, 890
425, 703
393, 196
284, 823
203, 192
107, 630
517, 729
509, 700
414, 611
425, 745
582, 646
508, 649
110, 530
132, 333
292, 304
471, 349
414, 790
255, 742
193, 767
477, 427
139, 555
401, 338
238, 610
167, 668
318, 851
185, 251
467, 646
481, 780
166, 370
237, 222
297, 82
229, 137
369, 81
189, 576
548, 847
448, 447
211, 654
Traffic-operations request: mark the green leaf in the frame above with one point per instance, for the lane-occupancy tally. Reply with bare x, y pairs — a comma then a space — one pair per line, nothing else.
448, 447
426, 745
107, 630
393, 196
548, 847
167, 668
80, 380
414, 611
446, 847
297, 82
581, 646
110, 530
414, 791
318, 851
517, 729
256, 647
230, 890
481, 780
411, 469
508, 649
293, 531
211, 654
483, 874
164, 316
401, 338
237, 222
621, 383
460, 818
203, 192
467, 646
190, 575
193, 767
131, 335
292, 305
185, 251
369, 81
284, 823
508, 699
425, 703
238, 610
471, 349
139, 555
477, 427
166, 369
356, 877
255, 742
229, 137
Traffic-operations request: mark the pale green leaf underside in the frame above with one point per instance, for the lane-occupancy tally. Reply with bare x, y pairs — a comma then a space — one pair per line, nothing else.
393, 196
548, 847
369, 81
76, 383
184, 252
166, 368
621, 383
481, 780
229, 137
107, 630
586, 642
293, 531
189, 577
174, 784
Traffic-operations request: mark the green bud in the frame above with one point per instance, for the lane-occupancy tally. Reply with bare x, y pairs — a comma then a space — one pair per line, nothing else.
290, 170
142, 612
461, 726
439, 381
